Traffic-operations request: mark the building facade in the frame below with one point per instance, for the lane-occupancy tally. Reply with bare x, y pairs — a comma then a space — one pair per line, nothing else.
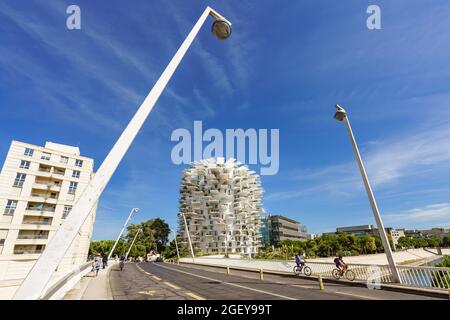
38, 187
283, 228
368, 229
221, 203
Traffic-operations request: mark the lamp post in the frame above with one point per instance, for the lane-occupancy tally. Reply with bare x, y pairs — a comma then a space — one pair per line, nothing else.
189, 237
132, 242
341, 115
121, 231
176, 245
34, 284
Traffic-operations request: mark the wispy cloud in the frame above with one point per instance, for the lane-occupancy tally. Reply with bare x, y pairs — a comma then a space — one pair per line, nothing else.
411, 156
429, 213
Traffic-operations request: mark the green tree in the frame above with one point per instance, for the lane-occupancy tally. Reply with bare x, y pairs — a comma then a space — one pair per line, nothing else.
153, 236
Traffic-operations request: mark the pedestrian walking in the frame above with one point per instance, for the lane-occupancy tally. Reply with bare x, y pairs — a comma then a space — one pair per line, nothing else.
97, 265
105, 261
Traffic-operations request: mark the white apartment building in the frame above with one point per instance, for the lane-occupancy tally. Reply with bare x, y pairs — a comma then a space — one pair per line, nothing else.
38, 187
221, 202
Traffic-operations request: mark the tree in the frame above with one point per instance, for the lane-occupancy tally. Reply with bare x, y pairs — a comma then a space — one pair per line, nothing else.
103, 247
154, 234
446, 241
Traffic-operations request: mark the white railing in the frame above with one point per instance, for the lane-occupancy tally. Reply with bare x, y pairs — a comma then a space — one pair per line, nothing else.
421, 276
432, 277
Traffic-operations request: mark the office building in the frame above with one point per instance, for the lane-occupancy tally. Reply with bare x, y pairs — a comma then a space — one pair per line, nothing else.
284, 228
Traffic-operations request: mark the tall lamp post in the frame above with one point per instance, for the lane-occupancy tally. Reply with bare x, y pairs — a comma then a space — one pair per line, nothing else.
132, 242
176, 245
341, 115
189, 237
121, 231
38, 278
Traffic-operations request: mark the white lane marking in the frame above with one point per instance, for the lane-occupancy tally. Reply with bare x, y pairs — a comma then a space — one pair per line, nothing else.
356, 295
228, 283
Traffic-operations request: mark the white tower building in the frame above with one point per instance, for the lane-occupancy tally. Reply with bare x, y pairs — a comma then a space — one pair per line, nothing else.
222, 205
38, 187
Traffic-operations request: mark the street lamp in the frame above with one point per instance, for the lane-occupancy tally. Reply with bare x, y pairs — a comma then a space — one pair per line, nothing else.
121, 231
176, 246
189, 237
132, 242
341, 115
38, 278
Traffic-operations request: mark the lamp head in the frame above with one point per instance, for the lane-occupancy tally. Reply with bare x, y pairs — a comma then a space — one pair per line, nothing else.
221, 28
340, 113
136, 209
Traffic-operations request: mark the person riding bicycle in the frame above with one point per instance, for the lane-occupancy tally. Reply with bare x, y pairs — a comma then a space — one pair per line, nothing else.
299, 260
122, 261
340, 264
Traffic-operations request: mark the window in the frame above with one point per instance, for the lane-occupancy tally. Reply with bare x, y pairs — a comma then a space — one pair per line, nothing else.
64, 159
20, 178
66, 211
46, 156
24, 164
28, 152
73, 187
75, 174
78, 163
11, 206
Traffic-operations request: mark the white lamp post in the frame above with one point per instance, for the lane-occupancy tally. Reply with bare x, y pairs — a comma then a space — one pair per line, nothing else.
38, 278
176, 245
341, 115
121, 231
189, 237
132, 242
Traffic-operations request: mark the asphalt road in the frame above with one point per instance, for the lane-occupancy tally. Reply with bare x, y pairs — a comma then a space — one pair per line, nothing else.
156, 281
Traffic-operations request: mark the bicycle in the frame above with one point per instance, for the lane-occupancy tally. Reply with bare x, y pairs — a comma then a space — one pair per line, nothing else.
305, 269
349, 274
121, 265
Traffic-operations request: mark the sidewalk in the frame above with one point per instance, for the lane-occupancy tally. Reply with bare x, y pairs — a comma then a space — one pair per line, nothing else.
93, 287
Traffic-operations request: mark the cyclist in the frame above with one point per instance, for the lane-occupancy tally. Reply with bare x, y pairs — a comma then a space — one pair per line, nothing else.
122, 262
299, 260
340, 264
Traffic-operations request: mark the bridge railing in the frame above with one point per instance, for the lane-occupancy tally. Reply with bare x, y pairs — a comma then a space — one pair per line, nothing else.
420, 276
432, 277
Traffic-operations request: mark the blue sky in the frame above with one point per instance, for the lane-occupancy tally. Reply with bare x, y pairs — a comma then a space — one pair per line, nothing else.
285, 66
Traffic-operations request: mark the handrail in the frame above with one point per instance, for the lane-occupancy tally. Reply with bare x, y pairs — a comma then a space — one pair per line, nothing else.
60, 283
415, 276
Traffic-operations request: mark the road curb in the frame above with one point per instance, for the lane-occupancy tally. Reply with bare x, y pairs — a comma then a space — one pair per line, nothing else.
388, 287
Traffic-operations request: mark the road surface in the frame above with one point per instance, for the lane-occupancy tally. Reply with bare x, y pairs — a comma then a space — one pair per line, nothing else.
159, 281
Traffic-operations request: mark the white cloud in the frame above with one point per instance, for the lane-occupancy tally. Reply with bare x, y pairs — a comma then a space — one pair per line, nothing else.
432, 212
423, 154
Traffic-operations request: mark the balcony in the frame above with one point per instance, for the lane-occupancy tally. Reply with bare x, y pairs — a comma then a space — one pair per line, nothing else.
37, 222
27, 235
33, 239
40, 207
47, 185
28, 251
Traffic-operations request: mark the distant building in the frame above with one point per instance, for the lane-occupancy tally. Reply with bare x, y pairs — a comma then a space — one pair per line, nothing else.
435, 233
368, 229
396, 234
430, 233
265, 230
278, 228
357, 230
